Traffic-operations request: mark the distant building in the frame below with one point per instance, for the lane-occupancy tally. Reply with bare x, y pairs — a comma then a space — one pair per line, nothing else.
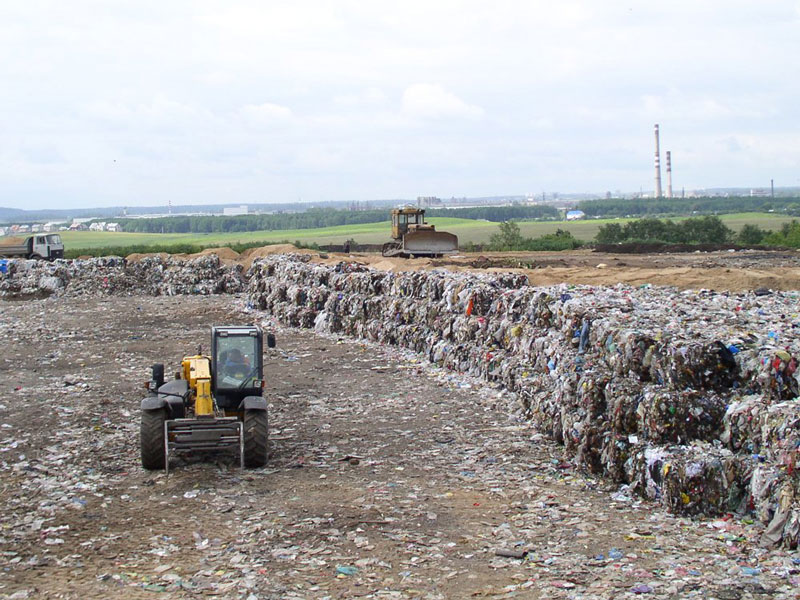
575, 215
37, 228
52, 226
234, 211
97, 226
113, 227
423, 201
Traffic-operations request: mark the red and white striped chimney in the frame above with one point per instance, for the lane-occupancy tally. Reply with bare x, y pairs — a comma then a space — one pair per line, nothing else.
669, 174
658, 167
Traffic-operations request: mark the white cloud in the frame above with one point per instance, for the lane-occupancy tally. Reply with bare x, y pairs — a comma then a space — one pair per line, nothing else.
383, 99
369, 96
266, 113
705, 107
432, 101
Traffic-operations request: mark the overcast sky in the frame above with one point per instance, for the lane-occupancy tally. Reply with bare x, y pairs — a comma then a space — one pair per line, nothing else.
135, 103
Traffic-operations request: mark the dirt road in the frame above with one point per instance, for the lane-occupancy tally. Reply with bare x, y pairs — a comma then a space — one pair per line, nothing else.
387, 479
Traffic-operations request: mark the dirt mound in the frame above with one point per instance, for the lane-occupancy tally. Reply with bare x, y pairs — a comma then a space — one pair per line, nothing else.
137, 256
226, 255
12, 241
223, 252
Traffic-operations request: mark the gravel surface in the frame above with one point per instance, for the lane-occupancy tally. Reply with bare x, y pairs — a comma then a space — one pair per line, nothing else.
388, 478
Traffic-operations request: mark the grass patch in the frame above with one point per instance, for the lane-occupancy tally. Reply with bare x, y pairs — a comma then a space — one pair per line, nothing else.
468, 231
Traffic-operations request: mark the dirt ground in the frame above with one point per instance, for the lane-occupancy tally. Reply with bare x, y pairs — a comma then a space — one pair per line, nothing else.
388, 478
722, 270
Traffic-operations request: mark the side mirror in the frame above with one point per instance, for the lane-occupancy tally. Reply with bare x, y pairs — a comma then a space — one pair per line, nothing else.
270, 340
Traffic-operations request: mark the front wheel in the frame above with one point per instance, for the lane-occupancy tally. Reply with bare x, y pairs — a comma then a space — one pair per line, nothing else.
152, 439
256, 432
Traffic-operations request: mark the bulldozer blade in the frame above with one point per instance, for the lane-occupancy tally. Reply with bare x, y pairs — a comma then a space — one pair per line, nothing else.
203, 434
426, 243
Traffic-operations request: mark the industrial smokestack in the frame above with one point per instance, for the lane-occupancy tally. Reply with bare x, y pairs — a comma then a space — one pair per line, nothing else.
658, 166
669, 174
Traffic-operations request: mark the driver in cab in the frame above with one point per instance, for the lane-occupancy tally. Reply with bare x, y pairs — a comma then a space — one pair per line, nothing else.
236, 364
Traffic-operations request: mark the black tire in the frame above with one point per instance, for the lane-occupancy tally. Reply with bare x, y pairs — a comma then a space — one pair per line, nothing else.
270, 340
256, 433
36, 257
152, 439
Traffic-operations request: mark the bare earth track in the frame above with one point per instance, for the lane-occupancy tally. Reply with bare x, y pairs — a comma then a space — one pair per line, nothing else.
387, 479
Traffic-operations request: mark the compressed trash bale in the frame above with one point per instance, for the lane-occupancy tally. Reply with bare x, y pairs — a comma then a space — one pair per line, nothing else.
690, 480
665, 416
780, 434
697, 480
742, 424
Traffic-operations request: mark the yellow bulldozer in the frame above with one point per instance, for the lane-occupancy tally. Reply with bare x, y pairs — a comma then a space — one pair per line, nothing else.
214, 403
412, 236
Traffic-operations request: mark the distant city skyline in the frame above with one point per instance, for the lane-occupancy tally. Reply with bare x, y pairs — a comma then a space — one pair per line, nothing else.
244, 102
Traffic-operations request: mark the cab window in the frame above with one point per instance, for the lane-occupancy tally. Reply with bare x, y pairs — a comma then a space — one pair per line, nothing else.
236, 361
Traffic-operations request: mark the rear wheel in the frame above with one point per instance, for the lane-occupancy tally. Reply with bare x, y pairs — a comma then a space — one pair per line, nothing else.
256, 431
152, 439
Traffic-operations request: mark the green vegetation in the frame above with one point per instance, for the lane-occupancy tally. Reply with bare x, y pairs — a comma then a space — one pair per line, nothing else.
510, 238
751, 235
789, 236
617, 207
469, 232
363, 233
700, 230
317, 218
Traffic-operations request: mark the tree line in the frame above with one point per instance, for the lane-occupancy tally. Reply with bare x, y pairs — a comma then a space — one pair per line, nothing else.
697, 230
620, 207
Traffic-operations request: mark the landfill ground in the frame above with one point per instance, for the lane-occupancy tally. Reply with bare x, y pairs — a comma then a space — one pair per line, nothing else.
388, 478
729, 270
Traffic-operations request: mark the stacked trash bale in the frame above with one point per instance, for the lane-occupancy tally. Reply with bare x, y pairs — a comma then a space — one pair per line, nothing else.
688, 397
154, 275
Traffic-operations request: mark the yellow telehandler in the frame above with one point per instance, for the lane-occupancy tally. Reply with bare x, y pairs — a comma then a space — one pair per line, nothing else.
214, 403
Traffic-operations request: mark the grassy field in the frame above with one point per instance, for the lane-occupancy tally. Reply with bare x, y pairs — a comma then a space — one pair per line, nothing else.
467, 230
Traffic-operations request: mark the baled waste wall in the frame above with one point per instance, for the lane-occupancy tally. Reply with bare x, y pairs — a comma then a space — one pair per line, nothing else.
152, 275
687, 397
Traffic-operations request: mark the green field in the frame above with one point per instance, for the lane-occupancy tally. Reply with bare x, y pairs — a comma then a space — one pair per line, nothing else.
467, 230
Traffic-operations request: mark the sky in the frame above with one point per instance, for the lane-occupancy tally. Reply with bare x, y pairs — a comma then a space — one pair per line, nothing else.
137, 103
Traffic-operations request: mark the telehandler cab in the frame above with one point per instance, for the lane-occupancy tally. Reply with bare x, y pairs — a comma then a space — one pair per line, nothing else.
214, 403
